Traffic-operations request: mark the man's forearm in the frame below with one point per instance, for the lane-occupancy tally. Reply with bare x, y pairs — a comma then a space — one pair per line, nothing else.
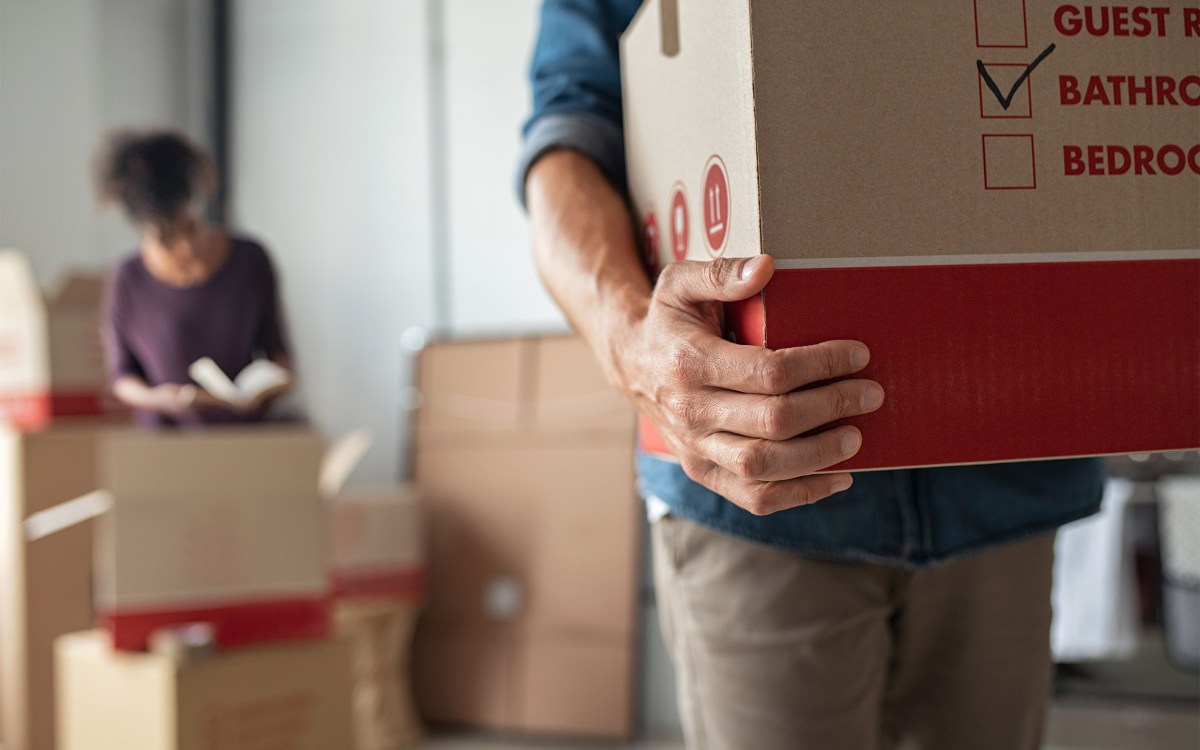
585, 251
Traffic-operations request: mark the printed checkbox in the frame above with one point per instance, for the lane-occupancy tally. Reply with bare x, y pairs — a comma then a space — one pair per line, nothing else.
1008, 162
1000, 23
1005, 76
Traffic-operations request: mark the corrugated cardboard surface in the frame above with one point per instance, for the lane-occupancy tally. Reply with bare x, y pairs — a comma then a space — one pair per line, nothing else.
994, 381
294, 696
533, 544
223, 519
870, 132
45, 586
871, 139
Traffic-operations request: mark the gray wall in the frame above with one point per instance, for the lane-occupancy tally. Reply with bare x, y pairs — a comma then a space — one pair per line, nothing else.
69, 70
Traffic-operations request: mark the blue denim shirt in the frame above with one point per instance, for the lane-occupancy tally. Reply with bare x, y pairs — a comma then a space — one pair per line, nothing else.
913, 517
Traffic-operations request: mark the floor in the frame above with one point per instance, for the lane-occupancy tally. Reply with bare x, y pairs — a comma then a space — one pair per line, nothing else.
1077, 723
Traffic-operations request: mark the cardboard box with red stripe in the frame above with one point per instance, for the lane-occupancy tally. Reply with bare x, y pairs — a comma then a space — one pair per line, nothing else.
378, 546
1001, 198
225, 527
51, 359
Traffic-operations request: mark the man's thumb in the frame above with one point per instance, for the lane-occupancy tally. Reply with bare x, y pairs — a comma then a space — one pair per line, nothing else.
721, 280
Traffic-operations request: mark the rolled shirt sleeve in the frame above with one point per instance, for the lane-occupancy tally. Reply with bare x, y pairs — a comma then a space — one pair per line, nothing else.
576, 80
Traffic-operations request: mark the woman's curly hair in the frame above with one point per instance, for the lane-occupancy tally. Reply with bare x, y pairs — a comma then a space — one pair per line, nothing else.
153, 175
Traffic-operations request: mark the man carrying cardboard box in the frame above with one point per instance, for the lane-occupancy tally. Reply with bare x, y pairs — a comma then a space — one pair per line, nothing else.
906, 608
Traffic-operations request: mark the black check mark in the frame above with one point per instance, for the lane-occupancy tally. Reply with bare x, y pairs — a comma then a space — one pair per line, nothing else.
1005, 101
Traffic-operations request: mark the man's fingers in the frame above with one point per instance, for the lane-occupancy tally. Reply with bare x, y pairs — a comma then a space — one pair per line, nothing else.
784, 417
751, 369
775, 460
688, 283
764, 498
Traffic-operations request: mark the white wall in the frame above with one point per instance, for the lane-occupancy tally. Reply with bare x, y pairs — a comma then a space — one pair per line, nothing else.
330, 140
494, 285
69, 70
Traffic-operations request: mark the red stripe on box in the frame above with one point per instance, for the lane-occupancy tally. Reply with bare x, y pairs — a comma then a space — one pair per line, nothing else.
401, 582
75, 403
235, 623
985, 363
27, 411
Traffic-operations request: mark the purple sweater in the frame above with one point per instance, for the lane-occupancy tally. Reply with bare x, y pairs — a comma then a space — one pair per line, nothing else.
154, 330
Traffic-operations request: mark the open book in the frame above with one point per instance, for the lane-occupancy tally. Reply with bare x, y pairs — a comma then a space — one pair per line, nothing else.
259, 376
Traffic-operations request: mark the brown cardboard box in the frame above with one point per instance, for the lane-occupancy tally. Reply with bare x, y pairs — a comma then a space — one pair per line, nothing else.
378, 542
533, 541
51, 358
45, 586
1003, 252
224, 527
24, 355
79, 381
295, 696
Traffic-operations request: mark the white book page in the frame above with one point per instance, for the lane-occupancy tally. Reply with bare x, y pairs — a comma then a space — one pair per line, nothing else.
209, 376
259, 376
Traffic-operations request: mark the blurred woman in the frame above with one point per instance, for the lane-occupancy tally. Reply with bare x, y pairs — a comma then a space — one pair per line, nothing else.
190, 290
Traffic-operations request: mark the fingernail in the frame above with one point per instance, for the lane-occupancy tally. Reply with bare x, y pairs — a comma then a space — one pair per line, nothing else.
850, 442
872, 398
859, 357
748, 268
841, 484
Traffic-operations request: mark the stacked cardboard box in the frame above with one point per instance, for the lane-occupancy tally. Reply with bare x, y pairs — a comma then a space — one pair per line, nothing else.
224, 527
51, 359
294, 696
525, 459
378, 577
378, 543
78, 378
998, 197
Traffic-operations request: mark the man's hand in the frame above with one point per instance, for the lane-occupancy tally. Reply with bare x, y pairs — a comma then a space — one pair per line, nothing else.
732, 414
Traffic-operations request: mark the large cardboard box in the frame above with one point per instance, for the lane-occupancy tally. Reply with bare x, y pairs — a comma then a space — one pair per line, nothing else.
294, 696
45, 586
1000, 197
524, 456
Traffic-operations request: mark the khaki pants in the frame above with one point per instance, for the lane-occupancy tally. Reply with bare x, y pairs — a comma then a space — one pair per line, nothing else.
776, 651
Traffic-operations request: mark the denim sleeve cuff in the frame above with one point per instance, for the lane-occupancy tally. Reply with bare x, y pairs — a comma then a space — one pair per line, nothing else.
595, 137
